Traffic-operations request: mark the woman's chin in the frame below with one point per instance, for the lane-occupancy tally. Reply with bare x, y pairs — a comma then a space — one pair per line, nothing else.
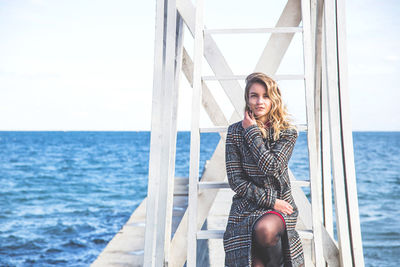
259, 115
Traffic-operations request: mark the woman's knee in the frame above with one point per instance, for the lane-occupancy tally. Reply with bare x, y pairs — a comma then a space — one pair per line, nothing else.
267, 231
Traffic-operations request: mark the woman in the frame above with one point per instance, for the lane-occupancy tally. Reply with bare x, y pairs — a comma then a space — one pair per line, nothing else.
262, 220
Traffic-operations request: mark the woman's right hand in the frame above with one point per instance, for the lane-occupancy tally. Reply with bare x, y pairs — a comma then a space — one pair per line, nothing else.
283, 206
248, 119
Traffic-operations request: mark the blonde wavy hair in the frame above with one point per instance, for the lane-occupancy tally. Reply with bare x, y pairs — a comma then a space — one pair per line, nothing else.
278, 117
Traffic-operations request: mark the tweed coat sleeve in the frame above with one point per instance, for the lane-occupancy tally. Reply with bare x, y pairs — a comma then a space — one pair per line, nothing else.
263, 197
272, 161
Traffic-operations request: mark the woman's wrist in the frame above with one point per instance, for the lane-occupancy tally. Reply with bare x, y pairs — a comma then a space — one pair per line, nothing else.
251, 133
247, 125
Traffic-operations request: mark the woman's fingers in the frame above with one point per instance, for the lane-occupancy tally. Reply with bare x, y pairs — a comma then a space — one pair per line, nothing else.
284, 207
251, 115
247, 115
247, 121
288, 209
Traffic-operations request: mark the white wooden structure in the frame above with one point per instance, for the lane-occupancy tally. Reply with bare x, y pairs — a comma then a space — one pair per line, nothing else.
328, 130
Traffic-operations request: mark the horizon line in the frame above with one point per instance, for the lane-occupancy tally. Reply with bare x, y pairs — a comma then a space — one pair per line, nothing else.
143, 130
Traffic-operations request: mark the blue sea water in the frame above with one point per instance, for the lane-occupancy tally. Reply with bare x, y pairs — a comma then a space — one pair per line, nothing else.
64, 195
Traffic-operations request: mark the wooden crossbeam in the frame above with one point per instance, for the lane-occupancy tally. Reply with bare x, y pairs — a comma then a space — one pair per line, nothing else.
217, 129
218, 234
286, 77
254, 30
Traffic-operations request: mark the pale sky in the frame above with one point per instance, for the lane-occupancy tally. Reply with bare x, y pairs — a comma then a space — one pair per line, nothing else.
88, 65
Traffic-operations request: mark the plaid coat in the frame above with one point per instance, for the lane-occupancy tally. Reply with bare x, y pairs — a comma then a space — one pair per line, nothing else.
257, 170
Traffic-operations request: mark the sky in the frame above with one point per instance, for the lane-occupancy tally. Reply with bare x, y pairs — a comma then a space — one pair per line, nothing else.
88, 65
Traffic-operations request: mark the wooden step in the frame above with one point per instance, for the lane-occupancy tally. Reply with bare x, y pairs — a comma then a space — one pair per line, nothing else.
221, 185
219, 234
221, 129
182, 184
284, 77
254, 30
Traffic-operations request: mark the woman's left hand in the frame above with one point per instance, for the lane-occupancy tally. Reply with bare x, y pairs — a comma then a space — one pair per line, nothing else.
283, 206
248, 120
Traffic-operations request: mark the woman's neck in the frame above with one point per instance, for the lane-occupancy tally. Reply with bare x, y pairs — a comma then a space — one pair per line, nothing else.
264, 119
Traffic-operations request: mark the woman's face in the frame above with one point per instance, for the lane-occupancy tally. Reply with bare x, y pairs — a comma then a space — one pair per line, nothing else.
259, 102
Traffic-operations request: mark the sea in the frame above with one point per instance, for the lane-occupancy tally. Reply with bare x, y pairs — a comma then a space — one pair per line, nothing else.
64, 195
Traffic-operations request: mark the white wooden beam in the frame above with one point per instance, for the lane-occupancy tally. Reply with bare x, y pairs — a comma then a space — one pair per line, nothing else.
168, 133
173, 137
254, 30
348, 154
311, 134
243, 77
335, 134
326, 150
155, 138
218, 234
195, 136
316, 32
218, 129
182, 183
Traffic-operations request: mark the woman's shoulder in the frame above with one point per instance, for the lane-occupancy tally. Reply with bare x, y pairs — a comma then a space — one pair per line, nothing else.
291, 131
235, 128
235, 133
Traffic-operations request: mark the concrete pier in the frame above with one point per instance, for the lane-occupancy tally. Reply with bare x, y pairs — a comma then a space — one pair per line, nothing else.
126, 248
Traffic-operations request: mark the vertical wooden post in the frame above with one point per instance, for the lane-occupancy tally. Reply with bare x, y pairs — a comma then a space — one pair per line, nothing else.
325, 148
155, 139
195, 135
311, 134
347, 138
163, 137
335, 134
173, 137
317, 10
168, 134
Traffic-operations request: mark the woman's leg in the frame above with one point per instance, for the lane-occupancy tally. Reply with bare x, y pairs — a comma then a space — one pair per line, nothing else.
257, 262
267, 239
256, 258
